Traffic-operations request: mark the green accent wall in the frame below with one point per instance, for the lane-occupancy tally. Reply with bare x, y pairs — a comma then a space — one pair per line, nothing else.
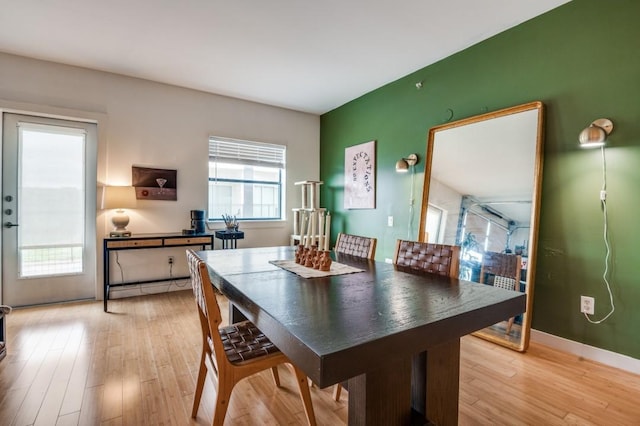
582, 60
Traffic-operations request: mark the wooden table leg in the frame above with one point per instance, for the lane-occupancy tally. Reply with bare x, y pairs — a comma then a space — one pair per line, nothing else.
435, 383
235, 315
381, 397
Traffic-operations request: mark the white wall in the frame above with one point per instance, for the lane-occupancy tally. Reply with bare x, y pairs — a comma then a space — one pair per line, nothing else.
157, 125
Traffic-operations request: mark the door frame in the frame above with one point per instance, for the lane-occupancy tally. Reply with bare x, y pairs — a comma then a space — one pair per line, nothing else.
101, 121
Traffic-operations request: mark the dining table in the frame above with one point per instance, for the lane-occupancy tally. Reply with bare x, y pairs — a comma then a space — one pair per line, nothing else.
390, 334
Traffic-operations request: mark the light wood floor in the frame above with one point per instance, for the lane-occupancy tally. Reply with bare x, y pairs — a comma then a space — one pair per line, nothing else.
73, 364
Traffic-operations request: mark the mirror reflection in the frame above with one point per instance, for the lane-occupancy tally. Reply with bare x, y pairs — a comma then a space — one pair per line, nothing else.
481, 192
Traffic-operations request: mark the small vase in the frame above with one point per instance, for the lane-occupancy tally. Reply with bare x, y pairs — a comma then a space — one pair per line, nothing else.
325, 261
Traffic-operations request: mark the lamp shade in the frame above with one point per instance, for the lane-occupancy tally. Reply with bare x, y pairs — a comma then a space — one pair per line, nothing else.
596, 134
118, 197
592, 136
402, 166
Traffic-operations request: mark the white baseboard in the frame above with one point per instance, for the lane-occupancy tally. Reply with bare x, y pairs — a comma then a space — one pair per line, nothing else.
149, 288
603, 356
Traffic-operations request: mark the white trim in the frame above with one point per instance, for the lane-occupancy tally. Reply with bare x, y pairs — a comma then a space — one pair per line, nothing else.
603, 356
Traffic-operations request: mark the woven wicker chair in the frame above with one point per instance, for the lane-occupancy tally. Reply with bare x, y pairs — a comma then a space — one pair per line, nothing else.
501, 270
234, 352
355, 245
434, 258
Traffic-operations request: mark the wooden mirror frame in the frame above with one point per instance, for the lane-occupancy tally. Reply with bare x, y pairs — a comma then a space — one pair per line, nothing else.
535, 208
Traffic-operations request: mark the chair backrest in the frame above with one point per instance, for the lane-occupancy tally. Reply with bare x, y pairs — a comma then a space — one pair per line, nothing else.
434, 258
356, 245
503, 265
208, 308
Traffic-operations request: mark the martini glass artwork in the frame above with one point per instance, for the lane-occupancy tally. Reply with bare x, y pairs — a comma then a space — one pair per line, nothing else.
161, 182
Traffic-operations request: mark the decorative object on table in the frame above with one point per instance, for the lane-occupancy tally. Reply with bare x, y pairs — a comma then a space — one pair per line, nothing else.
325, 261
360, 176
316, 259
299, 253
155, 184
332, 268
230, 222
311, 255
119, 198
308, 220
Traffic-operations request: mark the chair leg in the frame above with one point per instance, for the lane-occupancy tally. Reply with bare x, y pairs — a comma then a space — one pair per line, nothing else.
223, 396
509, 325
305, 395
276, 376
337, 390
202, 374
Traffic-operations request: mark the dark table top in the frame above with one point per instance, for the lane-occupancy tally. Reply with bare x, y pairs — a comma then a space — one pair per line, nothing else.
341, 326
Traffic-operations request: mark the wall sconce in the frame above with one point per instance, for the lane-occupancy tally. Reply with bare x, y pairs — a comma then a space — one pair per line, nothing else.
402, 165
596, 134
119, 198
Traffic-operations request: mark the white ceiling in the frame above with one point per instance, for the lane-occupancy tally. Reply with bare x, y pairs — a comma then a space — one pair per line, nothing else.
310, 56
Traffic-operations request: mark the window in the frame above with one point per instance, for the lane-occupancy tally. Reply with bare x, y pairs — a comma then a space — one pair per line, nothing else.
51, 189
245, 179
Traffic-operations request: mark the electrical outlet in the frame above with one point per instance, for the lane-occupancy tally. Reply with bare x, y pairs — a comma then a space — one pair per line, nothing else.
170, 260
390, 221
587, 305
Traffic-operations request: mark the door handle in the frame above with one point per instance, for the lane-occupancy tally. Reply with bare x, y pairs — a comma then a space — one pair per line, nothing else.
10, 225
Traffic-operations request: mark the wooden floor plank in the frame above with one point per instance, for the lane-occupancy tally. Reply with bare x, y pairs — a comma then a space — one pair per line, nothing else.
72, 364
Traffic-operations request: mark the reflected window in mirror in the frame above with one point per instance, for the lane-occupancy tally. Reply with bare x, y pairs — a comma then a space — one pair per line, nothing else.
435, 225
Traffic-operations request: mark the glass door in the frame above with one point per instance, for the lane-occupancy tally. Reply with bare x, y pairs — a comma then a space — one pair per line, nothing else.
48, 213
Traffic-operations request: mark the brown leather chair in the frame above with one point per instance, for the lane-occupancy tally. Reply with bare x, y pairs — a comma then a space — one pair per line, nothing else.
501, 270
235, 352
355, 245
428, 257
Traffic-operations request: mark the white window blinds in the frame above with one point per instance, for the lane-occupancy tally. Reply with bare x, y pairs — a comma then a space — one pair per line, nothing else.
234, 151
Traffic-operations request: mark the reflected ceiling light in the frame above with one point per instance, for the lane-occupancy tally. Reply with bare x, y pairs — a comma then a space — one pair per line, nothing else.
596, 134
402, 165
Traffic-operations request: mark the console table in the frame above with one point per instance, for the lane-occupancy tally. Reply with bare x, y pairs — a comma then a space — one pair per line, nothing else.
147, 241
229, 238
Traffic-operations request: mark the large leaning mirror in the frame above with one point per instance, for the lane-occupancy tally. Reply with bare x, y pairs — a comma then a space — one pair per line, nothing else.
482, 193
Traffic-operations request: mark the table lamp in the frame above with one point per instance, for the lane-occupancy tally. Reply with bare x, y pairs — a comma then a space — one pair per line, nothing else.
119, 198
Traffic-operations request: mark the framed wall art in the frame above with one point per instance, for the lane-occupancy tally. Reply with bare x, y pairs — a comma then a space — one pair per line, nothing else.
154, 184
360, 176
